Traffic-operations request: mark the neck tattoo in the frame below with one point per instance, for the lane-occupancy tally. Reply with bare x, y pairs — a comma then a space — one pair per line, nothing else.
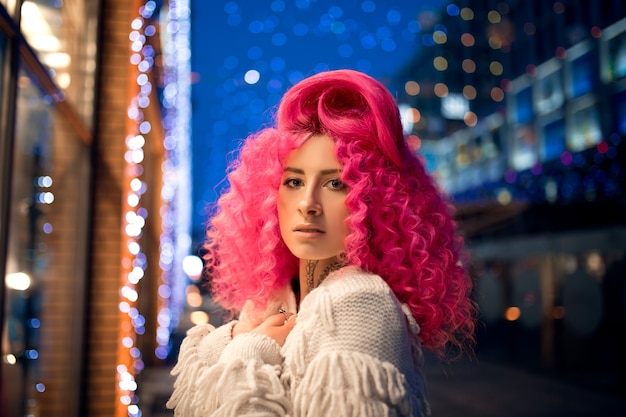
337, 264
310, 272
310, 275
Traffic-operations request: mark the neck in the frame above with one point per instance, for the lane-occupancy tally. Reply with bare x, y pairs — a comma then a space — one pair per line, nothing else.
314, 272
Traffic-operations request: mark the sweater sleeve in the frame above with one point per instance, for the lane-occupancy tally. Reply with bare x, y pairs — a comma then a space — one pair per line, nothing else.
351, 384
244, 381
362, 356
200, 349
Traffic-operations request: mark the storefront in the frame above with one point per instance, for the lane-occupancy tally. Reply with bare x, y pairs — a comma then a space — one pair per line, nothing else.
87, 200
48, 89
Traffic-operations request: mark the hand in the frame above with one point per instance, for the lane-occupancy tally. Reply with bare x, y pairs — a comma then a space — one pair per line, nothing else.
249, 318
244, 327
276, 327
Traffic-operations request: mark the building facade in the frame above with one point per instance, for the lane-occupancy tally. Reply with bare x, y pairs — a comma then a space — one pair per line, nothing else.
91, 135
518, 109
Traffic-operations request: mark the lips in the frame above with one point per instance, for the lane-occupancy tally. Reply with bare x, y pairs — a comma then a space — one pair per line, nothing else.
308, 229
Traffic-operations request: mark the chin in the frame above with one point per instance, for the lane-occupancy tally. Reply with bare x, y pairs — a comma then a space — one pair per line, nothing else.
314, 255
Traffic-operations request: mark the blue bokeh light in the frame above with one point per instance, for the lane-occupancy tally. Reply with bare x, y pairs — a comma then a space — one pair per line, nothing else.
246, 54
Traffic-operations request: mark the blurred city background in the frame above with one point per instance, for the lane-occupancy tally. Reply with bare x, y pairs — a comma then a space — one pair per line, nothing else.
118, 119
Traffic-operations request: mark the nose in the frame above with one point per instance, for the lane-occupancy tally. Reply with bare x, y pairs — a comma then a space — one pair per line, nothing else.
309, 204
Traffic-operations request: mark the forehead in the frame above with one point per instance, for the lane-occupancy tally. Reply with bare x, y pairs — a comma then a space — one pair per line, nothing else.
316, 152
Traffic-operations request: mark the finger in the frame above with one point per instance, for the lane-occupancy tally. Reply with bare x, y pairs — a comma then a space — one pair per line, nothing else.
291, 321
275, 320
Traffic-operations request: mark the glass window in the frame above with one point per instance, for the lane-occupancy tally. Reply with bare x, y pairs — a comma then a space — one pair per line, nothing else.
26, 262
45, 276
549, 91
48, 204
618, 102
524, 106
492, 143
524, 149
584, 74
553, 139
617, 57
64, 39
584, 129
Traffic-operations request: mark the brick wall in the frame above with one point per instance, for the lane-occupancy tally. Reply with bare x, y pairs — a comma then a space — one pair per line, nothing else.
108, 192
116, 86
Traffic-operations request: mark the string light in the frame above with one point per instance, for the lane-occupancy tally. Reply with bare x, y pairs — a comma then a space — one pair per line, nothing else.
175, 239
134, 260
175, 212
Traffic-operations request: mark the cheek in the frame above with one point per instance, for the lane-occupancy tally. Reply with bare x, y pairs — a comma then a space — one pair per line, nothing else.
341, 215
282, 207
345, 223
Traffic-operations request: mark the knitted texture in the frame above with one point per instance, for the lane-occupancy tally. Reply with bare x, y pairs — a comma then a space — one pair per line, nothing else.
354, 351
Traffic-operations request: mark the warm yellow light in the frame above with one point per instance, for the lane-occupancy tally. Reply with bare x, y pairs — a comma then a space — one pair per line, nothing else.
440, 63
512, 313
469, 92
496, 68
494, 17
470, 119
33, 22
467, 13
440, 37
504, 196
468, 66
412, 88
18, 281
199, 317
413, 115
194, 299
497, 94
467, 39
45, 43
56, 59
495, 42
193, 266
63, 79
441, 90
595, 264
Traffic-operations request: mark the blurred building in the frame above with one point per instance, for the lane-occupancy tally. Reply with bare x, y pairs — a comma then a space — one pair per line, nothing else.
519, 110
93, 116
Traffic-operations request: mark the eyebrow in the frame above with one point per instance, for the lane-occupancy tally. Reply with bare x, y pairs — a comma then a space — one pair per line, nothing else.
323, 172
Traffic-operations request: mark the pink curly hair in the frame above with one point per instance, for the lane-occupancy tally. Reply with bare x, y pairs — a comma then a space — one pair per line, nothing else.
401, 227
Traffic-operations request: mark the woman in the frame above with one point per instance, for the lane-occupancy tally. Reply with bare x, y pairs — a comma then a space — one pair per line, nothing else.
342, 259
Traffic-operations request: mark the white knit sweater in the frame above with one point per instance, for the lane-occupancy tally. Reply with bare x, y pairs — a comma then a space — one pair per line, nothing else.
354, 351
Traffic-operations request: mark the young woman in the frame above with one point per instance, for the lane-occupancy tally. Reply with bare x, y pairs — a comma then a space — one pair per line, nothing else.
342, 259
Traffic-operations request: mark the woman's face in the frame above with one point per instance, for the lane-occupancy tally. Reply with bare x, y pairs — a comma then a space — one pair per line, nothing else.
311, 201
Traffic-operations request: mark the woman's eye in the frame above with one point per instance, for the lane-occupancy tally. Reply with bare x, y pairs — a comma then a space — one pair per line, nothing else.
336, 184
292, 182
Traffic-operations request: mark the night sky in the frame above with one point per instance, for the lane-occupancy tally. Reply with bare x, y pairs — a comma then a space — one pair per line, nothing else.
246, 53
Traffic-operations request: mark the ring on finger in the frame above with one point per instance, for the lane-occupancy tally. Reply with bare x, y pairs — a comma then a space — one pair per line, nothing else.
284, 312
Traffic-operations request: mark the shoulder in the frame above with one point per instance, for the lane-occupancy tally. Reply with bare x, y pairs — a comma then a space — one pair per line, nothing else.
351, 297
354, 311
351, 280
353, 283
